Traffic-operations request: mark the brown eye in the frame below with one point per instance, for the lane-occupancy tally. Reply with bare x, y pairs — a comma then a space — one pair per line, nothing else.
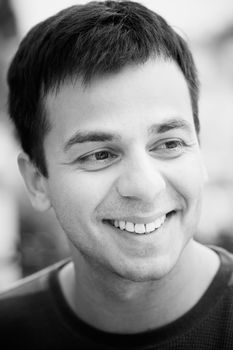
172, 144
97, 160
101, 155
170, 148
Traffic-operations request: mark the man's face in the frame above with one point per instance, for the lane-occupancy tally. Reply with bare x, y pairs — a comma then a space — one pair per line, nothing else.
125, 171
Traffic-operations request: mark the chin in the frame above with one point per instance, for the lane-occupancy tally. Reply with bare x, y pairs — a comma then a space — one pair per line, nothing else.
152, 271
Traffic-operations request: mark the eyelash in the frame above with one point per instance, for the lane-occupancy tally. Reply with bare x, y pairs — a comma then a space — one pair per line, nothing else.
98, 164
178, 142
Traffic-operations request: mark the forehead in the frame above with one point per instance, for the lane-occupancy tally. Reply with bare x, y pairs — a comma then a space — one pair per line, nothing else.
144, 94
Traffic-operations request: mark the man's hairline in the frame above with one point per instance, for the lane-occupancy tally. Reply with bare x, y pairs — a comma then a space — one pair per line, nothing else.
54, 90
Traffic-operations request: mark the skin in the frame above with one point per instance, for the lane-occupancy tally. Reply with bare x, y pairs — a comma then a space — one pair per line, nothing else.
150, 168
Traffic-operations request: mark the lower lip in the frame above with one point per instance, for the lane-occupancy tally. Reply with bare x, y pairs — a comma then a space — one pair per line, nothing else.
168, 217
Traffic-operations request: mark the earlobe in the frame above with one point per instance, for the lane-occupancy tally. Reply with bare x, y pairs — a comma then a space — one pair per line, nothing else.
35, 182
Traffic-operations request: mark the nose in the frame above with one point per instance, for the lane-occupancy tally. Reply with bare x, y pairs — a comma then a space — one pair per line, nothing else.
141, 179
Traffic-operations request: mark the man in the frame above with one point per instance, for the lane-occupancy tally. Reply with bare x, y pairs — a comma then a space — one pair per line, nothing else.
104, 97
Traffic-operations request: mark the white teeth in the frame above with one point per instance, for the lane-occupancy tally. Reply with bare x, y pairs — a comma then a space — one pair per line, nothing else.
122, 225
150, 227
139, 228
129, 226
159, 222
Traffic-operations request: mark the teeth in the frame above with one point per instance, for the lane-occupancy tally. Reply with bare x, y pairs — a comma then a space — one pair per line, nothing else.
129, 226
159, 222
122, 225
139, 228
150, 227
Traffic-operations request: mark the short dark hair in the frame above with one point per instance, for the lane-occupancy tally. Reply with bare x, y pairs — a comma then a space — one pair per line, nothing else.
85, 41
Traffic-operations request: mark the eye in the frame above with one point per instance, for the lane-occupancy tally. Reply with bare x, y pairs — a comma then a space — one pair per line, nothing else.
97, 160
172, 144
101, 155
170, 148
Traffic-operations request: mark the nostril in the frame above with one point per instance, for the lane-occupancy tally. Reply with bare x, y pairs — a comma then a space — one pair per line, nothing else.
171, 213
140, 187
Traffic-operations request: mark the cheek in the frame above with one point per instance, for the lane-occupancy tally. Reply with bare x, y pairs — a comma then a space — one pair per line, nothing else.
78, 195
188, 179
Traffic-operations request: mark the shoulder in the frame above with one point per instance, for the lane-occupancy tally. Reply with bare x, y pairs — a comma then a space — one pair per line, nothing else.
33, 283
222, 289
29, 315
26, 295
226, 260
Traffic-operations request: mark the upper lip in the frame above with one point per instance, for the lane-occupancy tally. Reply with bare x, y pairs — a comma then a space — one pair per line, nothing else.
141, 219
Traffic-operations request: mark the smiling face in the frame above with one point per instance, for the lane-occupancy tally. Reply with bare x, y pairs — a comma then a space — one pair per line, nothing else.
125, 171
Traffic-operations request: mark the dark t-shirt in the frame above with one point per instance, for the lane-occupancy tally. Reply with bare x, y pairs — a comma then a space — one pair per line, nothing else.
35, 315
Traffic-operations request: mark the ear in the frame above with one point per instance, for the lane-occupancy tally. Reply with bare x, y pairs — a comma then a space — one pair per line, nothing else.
35, 182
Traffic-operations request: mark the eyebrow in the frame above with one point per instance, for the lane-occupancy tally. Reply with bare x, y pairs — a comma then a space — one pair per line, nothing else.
99, 136
90, 136
170, 124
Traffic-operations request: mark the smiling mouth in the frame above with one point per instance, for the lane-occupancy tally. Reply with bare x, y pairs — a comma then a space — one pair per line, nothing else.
141, 228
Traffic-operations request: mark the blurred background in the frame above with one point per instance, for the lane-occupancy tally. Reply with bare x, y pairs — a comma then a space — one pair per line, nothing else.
29, 240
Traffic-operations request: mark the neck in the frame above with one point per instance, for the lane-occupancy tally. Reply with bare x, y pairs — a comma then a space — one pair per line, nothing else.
116, 305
